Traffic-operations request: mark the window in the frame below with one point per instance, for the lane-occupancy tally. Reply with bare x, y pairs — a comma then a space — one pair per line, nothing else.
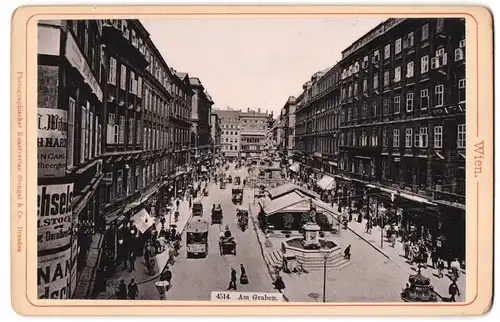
99, 135
409, 136
112, 71
375, 108
386, 106
439, 95
355, 89
459, 54
424, 137
411, 40
71, 133
417, 139
364, 111
385, 168
461, 136
425, 32
84, 142
424, 99
350, 91
409, 69
139, 87
438, 137
395, 138
139, 131
132, 83
461, 90
365, 62
90, 152
397, 74
385, 137
374, 138
424, 64
397, 104
364, 139
121, 134
439, 25
119, 184
375, 82
397, 46
387, 51
131, 131
365, 85
409, 102
386, 78
123, 77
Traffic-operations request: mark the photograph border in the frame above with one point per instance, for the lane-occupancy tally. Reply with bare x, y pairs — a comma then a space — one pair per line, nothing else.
479, 213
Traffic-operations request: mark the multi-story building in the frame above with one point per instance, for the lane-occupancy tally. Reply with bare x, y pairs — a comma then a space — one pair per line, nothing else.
230, 135
317, 123
216, 132
400, 91
254, 125
201, 109
287, 125
71, 105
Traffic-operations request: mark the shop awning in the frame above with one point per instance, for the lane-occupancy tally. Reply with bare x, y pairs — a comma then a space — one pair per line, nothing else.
142, 220
295, 167
326, 183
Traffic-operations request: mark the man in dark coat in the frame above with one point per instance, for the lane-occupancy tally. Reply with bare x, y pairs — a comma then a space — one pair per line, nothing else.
453, 291
133, 290
121, 291
243, 276
232, 282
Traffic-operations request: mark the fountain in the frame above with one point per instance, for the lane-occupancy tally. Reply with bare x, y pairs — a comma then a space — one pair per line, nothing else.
312, 250
419, 289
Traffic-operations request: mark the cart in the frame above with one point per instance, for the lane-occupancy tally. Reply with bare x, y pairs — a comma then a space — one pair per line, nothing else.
227, 245
217, 216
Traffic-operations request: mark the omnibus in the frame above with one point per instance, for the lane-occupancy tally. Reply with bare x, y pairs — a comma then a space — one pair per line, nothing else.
197, 237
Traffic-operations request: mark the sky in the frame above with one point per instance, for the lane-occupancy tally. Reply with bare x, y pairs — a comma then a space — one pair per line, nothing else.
256, 63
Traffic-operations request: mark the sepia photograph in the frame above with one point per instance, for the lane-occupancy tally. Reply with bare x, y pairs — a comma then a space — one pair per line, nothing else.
216, 159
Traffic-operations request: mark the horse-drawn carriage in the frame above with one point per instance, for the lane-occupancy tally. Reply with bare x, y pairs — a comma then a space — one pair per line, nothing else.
217, 215
227, 244
237, 195
237, 180
242, 217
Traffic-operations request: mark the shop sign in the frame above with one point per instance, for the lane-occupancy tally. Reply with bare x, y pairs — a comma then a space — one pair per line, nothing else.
54, 216
54, 275
52, 133
48, 40
76, 59
48, 83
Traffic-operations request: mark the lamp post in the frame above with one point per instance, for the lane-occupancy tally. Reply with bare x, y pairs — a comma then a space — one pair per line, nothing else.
325, 255
382, 211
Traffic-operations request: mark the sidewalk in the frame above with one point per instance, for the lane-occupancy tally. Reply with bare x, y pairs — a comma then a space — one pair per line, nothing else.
140, 273
396, 255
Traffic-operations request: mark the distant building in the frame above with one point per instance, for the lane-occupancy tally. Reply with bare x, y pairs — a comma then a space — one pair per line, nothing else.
201, 109
216, 133
254, 125
230, 132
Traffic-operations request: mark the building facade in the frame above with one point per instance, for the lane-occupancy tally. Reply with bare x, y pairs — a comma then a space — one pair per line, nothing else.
230, 135
397, 104
254, 125
71, 118
287, 127
215, 132
124, 118
201, 110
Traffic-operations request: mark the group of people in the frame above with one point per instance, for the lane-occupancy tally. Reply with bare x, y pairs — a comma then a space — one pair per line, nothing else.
243, 278
127, 292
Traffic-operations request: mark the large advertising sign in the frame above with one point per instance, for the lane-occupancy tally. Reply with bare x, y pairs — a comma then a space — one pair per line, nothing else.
54, 275
52, 132
54, 215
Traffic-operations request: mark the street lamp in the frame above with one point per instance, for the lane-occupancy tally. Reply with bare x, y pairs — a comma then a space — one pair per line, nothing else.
382, 211
325, 253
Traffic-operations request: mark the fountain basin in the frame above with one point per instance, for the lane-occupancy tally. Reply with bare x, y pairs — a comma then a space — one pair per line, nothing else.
314, 259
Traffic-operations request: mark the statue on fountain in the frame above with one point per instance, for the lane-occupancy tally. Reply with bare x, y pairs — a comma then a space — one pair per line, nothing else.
311, 230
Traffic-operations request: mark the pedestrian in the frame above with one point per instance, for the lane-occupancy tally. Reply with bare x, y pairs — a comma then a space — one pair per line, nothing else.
347, 252
131, 260
279, 284
121, 291
133, 290
406, 247
453, 291
434, 258
162, 222
190, 201
395, 230
440, 268
177, 203
393, 238
243, 276
232, 282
